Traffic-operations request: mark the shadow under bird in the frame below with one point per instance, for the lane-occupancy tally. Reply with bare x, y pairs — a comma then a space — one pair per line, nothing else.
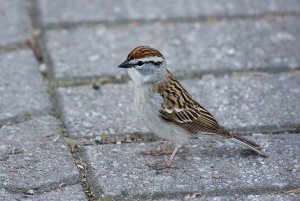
166, 107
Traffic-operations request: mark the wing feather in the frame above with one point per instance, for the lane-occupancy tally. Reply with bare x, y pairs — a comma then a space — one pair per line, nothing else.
183, 110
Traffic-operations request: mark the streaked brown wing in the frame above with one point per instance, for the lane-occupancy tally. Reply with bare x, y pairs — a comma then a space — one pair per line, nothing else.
180, 108
192, 119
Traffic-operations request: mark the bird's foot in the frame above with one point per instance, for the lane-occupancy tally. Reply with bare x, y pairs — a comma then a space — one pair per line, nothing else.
161, 166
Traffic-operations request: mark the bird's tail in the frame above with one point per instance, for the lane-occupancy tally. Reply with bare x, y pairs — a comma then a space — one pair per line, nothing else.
244, 142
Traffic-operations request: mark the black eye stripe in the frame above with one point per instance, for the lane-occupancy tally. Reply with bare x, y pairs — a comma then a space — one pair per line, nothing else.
156, 63
140, 63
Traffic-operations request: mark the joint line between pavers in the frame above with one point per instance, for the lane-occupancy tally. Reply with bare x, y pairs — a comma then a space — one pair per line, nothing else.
35, 16
76, 155
205, 19
13, 47
102, 80
26, 116
150, 137
90, 186
51, 186
214, 193
40, 51
83, 81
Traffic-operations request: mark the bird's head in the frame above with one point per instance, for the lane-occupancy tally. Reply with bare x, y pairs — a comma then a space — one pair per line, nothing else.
145, 65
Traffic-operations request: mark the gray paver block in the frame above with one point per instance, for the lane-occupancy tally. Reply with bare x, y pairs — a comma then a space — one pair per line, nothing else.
265, 197
204, 166
14, 25
189, 48
270, 197
72, 193
21, 87
33, 157
55, 11
249, 102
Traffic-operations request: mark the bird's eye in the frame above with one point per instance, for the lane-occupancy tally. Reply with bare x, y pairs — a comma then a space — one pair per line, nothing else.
140, 63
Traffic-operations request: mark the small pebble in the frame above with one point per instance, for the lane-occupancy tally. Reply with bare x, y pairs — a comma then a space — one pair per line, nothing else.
216, 175
289, 168
116, 164
230, 52
96, 86
43, 68
94, 58
87, 124
30, 192
98, 140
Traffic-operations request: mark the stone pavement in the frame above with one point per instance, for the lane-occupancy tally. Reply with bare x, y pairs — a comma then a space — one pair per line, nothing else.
64, 105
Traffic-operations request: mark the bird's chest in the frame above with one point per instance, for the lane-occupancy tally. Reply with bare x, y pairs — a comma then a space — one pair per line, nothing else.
148, 104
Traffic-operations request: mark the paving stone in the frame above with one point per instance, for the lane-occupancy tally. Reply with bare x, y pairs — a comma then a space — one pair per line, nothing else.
32, 156
55, 11
248, 102
271, 197
190, 48
21, 86
205, 166
67, 193
14, 25
265, 197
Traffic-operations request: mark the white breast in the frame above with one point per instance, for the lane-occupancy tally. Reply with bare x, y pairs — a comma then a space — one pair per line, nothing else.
148, 105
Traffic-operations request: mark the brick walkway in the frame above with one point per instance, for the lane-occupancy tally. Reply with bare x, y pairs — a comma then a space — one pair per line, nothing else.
64, 126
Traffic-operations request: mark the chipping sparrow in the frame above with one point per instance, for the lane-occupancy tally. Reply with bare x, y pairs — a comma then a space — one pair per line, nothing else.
166, 107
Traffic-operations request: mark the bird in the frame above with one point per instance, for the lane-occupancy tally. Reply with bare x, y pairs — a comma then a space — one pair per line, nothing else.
167, 108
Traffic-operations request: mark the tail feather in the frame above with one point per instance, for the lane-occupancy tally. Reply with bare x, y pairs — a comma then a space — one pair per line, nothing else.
249, 144
243, 142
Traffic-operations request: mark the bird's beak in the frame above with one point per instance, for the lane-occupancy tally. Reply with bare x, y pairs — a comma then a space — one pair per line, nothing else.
125, 64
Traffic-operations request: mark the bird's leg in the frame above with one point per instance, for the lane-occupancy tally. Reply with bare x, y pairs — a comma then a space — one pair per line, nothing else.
159, 152
167, 164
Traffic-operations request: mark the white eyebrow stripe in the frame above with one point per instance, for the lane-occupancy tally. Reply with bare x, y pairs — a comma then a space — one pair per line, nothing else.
147, 59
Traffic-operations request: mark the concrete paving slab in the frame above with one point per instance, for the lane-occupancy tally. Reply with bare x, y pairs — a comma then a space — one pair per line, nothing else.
265, 197
21, 86
243, 103
205, 166
14, 25
71, 193
55, 11
33, 157
190, 48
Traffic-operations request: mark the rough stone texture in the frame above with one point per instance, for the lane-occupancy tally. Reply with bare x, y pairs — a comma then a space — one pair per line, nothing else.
271, 197
91, 38
189, 48
21, 87
245, 102
14, 23
55, 11
204, 166
265, 197
32, 156
71, 193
